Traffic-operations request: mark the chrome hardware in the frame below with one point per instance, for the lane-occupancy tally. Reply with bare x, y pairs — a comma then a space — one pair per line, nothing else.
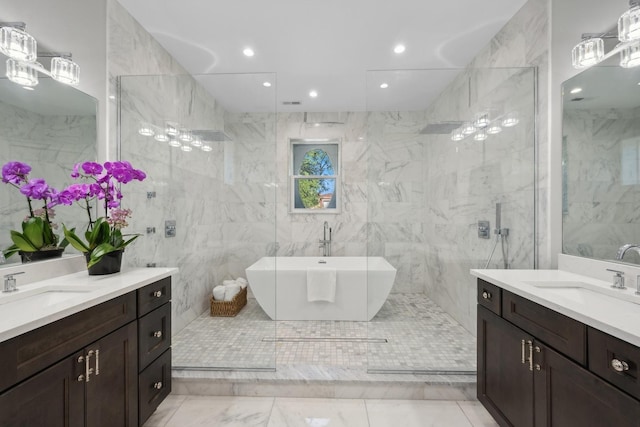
151, 194
624, 248
325, 243
10, 282
322, 261
151, 230
97, 362
158, 385
530, 343
80, 359
157, 294
486, 295
484, 230
157, 334
524, 359
81, 378
538, 367
151, 264
87, 370
619, 365
618, 279
638, 284
170, 228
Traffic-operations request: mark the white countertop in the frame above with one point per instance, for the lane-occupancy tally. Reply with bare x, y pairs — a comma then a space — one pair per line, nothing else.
614, 311
40, 303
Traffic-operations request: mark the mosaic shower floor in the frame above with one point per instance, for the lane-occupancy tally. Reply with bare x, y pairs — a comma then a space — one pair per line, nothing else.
410, 333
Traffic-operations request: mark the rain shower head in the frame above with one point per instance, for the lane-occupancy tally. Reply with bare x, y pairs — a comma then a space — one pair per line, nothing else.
440, 128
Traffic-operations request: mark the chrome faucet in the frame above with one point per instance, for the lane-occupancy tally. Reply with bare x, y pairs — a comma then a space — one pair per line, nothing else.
623, 250
325, 243
10, 282
618, 279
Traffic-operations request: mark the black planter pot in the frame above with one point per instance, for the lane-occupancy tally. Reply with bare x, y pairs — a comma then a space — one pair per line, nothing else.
40, 255
109, 264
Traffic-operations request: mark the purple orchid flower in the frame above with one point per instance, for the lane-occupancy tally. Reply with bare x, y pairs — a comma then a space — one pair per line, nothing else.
36, 189
15, 172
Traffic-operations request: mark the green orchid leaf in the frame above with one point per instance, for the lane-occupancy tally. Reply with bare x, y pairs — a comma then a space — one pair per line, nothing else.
100, 251
130, 240
71, 237
33, 231
99, 234
22, 242
10, 251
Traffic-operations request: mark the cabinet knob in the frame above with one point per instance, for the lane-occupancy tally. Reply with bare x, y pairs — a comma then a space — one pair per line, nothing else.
158, 385
157, 294
81, 378
486, 295
619, 365
157, 334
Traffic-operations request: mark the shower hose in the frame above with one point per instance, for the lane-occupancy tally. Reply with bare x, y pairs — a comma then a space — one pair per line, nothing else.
499, 238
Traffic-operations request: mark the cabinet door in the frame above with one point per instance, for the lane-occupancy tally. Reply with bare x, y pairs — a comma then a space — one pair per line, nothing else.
52, 398
505, 381
567, 395
112, 386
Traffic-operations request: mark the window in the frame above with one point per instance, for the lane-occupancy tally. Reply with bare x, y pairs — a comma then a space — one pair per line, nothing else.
315, 168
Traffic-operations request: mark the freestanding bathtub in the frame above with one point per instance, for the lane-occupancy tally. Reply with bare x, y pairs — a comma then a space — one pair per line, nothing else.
280, 287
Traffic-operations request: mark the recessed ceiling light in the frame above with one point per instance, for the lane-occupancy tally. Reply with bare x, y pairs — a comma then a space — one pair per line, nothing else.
384, 85
399, 48
266, 84
313, 94
576, 90
248, 52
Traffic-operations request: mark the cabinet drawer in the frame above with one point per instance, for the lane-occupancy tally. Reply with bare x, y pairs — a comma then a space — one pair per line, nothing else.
153, 296
566, 335
154, 385
154, 335
489, 296
605, 352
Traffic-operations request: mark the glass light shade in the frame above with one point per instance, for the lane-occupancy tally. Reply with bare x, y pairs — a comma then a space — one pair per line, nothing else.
146, 130
186, 148
480, 136
467, 128
510, 120
587, 53
185, 135
18, 44
197, 142
206, 147
457, 135
629, 25
161, 137
21, 73
175, 143
65, 71
630, 56
494, 129
171, 129
481, 121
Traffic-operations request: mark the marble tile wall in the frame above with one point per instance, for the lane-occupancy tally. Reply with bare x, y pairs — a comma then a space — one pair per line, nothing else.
602, 195
51, 145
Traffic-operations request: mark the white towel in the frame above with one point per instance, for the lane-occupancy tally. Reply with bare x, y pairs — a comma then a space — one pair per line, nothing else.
218, 293
231, 291
242, 282
228, 282
321, 284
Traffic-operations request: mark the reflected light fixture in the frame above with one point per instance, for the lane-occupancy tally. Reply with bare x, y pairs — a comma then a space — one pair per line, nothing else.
494, 129
185, 135
384, 85
575, 90
22, 65
467, 128
175, 143
313, 94
186, 148
266, 84
197, 142
161, 137
481, 135
171, 129
206, 147
145, 129
457, 135
510, 120
481, 121
399, 48
248, 52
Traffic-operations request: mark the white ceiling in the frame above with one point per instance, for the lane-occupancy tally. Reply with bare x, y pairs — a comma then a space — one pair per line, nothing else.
326, 45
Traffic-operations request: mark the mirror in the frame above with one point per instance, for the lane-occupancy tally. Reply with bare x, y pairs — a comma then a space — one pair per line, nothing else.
601, 163
50, 128
315, 175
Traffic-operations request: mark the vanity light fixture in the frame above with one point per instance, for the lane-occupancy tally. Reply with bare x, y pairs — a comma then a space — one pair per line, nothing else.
630, 56
588, 52
384, 85
629, 23
22, 65
206, 148
400, 48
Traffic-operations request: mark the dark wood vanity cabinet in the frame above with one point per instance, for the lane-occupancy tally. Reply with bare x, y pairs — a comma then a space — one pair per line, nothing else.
524, 381
79, 372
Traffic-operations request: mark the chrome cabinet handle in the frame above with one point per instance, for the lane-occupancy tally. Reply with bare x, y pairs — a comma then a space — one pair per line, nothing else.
81, 378
157, 334
619, 365
157, 294
486, 295
97, 362
158, 385
87, 370
524, 358
530, 343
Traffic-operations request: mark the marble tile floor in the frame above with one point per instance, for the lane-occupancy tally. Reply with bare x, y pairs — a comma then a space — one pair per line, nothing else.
410, 333
218, 411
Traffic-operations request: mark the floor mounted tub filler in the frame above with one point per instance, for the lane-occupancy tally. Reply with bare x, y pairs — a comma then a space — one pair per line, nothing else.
362, 285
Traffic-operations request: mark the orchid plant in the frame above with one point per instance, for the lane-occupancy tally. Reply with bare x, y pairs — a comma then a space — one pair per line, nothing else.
103, 234
37, 228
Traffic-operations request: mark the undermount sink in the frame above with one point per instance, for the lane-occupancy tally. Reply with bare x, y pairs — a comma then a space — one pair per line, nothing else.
39, 298
584, 292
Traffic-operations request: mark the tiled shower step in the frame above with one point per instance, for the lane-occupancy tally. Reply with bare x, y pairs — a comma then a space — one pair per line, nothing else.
327, 382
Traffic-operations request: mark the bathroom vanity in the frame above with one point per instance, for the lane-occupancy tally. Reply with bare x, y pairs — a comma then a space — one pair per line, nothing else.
81, 350
557, 349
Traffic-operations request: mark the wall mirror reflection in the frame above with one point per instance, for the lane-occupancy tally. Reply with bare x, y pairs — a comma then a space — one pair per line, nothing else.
315, 175
601, 163
50, 128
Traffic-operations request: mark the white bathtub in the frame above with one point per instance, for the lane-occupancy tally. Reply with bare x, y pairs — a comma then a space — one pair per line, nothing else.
280, 287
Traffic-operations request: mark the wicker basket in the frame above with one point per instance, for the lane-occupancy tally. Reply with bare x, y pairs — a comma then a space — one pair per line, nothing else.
229, 308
